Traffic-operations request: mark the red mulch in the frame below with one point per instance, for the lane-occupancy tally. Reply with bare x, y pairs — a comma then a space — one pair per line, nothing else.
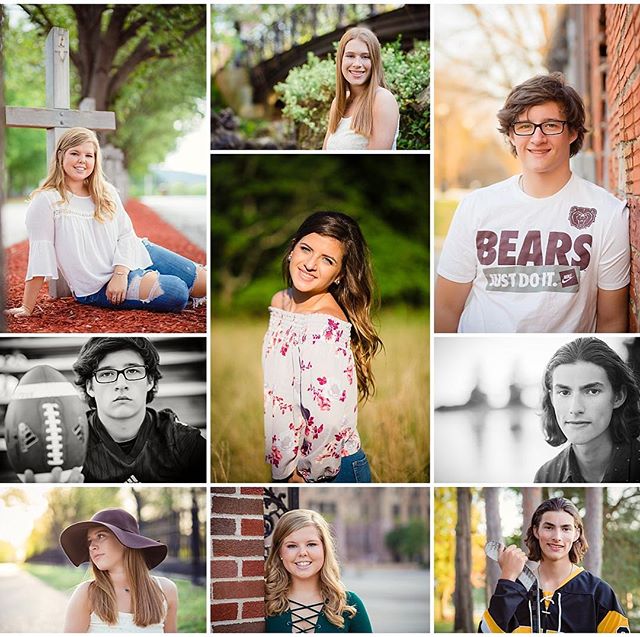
66, 315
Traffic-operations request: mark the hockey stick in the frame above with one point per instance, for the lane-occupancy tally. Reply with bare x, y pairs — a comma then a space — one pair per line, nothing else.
527, 578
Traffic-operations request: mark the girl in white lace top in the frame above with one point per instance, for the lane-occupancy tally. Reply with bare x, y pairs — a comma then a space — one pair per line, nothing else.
78, 226
317, 354
123, 596
364, 113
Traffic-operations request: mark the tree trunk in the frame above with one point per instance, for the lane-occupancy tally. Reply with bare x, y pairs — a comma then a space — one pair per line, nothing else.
531, 499
494, 533
593, 529
463, 622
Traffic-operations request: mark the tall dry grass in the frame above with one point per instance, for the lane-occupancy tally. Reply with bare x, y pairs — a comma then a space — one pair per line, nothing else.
393, 425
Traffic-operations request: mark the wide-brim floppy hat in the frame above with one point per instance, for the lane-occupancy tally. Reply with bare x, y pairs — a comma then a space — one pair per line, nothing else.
123, 525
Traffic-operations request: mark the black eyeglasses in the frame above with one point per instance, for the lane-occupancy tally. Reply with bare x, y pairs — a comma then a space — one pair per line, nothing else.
108, 375
551, 127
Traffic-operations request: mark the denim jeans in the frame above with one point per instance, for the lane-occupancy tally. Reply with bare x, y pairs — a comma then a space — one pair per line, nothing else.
176, 276
354, 468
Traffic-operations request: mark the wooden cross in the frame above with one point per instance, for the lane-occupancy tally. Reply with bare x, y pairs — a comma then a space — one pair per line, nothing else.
57, 116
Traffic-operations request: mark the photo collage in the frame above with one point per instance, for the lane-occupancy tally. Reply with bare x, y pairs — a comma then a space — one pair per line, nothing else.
265, 264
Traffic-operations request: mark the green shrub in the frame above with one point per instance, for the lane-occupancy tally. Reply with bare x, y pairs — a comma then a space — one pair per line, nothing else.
309, 89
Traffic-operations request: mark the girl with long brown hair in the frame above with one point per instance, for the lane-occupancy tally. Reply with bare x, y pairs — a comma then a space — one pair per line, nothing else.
303, 591
123, 596
317, 354
364, 113
78, 226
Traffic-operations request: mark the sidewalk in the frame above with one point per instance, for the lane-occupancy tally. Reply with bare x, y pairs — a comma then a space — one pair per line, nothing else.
397, 600
66, 315
27, 604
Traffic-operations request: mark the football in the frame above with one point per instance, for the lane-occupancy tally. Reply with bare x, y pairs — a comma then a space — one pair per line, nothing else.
46, 425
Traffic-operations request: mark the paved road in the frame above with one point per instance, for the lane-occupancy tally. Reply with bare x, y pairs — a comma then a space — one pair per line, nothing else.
188, 214
28, 605
397, 601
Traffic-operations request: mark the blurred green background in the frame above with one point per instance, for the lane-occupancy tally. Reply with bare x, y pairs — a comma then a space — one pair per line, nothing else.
258, 203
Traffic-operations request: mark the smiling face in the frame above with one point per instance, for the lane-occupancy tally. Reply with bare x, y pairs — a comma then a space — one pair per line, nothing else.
315, 263
78, 163
583, 401
356, 63
122, 399
539, 153
556, 534
302, 553
105, 550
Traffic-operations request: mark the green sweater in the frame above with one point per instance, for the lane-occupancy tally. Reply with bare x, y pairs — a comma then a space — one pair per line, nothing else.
358, 624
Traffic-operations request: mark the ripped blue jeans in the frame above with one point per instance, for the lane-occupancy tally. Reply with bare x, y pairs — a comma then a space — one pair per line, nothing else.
170, 293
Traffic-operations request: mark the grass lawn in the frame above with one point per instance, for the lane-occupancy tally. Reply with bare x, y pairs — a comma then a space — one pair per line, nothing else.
443, 213
193, 599
393, 425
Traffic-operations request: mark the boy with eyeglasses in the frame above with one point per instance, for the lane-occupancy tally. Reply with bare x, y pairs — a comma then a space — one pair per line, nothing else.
128, 440
544, 251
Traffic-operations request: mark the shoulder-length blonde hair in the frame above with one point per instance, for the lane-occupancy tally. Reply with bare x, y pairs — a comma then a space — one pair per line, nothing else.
148, 602
362, 120
353, 291
278, 579
105, 205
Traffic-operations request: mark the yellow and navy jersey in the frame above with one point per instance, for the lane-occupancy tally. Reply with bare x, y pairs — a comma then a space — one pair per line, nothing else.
583, 603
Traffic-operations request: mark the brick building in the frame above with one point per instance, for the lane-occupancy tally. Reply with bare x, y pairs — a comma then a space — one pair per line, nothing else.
237, 564
242, 516
598, 48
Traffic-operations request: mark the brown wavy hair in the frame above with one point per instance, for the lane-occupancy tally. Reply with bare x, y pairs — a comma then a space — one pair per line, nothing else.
579, 547
278, 579
355, 291
147, 598
538, 90
96, 183
362, 122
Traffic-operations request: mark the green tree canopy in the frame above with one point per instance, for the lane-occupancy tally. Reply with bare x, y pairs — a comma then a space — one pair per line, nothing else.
259, 201
145, 62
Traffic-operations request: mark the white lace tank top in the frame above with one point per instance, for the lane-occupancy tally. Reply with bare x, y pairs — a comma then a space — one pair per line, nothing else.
125, 623
346, 139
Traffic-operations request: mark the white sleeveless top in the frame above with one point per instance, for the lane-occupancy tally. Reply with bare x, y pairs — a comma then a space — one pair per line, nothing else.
346, 139
125, 623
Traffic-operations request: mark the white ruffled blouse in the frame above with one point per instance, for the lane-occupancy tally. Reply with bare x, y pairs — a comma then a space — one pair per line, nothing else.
310, 394
66, 236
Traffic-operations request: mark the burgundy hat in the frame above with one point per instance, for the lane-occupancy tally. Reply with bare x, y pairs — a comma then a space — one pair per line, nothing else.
123, 525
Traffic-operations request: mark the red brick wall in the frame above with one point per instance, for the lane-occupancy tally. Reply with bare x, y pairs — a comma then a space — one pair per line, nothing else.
237, 564
623, 97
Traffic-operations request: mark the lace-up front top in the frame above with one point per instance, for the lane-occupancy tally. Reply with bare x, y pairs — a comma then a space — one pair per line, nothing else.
304, 618
310, 394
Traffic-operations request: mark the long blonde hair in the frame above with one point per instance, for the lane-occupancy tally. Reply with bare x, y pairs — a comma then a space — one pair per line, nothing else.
278, 579
362, 120
354, 291
105, 205
147, 599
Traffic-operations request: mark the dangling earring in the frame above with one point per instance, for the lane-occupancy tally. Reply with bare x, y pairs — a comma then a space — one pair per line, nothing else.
289, 257
337, 282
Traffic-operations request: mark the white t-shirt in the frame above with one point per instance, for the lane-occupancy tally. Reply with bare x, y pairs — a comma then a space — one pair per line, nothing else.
67, 236
536, 263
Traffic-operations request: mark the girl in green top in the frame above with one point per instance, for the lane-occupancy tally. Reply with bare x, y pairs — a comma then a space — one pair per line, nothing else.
303, 588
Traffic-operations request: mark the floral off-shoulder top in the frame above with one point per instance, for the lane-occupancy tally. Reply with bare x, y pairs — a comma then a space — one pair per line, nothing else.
310, 394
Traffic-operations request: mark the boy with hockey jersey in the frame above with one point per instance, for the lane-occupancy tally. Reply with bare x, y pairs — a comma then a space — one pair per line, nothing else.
566, 598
